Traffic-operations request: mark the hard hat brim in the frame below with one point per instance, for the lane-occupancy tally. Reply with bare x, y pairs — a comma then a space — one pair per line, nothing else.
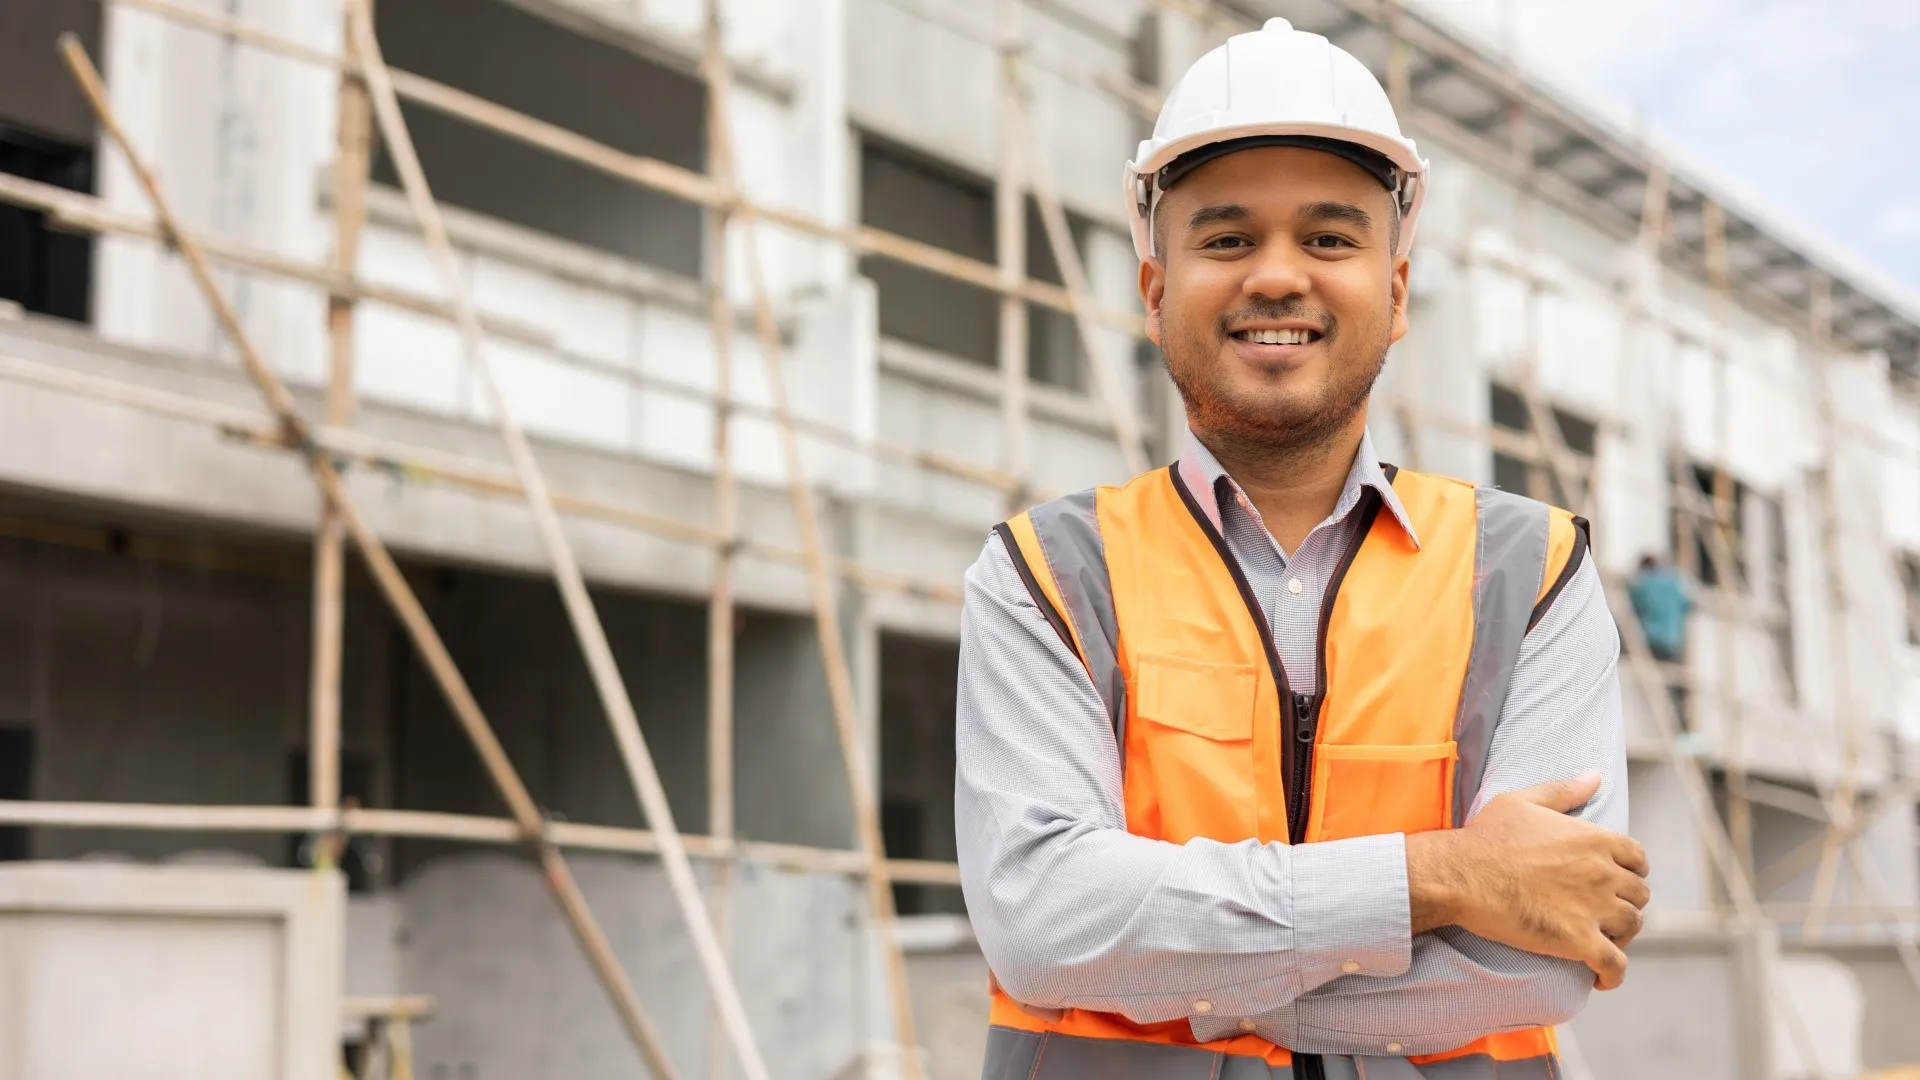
1140, 177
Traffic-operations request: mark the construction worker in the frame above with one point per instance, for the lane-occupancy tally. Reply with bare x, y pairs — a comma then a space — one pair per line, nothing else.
1280, 762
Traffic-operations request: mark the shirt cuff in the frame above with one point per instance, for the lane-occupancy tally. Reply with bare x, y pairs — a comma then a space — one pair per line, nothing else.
1350, 909
1350, 917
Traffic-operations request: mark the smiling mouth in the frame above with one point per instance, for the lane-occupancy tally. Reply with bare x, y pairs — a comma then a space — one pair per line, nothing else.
1277, 337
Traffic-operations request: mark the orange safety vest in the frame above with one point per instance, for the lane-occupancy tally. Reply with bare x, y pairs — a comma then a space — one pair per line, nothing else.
1415, 652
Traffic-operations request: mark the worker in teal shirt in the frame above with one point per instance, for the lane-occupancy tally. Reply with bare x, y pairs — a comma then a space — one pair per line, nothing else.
1660, 600
1661, 603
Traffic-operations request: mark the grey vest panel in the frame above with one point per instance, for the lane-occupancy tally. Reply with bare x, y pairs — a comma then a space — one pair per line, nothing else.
1069, 533
1509, 567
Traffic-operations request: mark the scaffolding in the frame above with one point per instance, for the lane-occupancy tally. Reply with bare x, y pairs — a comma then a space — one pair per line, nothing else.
370, 96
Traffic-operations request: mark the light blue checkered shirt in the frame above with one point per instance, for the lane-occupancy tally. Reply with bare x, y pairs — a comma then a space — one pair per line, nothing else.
1308, 946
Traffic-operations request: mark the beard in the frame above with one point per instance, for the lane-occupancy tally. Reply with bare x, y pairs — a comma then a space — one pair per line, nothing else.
1272, 422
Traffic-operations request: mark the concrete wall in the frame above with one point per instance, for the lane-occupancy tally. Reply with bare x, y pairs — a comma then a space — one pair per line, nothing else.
187, 972
167, 663
1675, 1017
517, 998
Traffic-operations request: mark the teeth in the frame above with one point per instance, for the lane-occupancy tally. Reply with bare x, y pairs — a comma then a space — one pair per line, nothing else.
1277, 337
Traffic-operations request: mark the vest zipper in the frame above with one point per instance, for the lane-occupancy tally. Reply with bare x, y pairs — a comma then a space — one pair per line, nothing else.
1302, 718
1306, 713
1306, 707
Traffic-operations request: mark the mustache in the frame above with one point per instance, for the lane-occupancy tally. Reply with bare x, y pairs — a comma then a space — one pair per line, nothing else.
1261, 308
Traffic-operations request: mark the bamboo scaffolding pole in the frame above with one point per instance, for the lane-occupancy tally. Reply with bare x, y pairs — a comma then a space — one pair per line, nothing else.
415, 463
647, 172
89, 214
1739, 810
853, 754
406, 605
1839, 805
423, 464
1807, 853
1875, 887
1143, 100
720, 608
693, 187
1010, 251
1839, 658
350, 177
597, 650
467, 828
1733, 870
1110, 380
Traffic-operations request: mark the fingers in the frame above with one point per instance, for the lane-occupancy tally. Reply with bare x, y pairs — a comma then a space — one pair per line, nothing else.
1629, 854
1622, 924
1562, 795
1608, 962
1633, 889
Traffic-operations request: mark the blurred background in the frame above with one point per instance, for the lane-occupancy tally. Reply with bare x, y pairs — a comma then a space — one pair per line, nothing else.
1666, 277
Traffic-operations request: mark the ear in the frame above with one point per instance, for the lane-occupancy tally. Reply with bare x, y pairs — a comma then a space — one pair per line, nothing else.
1397, 283
1153, 289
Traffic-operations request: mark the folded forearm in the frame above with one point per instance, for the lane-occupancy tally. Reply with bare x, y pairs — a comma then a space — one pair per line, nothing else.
1457, 989
1079, 916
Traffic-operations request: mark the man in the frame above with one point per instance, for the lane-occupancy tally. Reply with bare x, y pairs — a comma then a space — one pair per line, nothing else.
1280, 762
1660, 603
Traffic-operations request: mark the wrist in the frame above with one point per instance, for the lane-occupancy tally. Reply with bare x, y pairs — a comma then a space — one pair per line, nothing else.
1436, 891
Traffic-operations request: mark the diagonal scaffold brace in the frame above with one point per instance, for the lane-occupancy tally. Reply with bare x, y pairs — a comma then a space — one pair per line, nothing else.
607, 681
391, 582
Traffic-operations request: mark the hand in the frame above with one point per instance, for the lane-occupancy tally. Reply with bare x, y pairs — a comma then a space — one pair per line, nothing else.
1525, 874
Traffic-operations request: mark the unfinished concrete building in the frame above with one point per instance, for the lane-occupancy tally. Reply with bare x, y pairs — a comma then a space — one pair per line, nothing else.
931, 190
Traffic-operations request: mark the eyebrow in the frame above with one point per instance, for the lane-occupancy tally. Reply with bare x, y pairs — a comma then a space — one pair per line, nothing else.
1330, 210
1218, 214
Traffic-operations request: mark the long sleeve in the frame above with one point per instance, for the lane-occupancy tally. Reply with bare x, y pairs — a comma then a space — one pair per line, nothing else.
1071, 910
1561, 718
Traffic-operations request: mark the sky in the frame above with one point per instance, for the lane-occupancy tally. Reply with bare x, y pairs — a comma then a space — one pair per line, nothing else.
1810, 108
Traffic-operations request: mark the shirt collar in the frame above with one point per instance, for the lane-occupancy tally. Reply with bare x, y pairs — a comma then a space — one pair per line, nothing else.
1203, 472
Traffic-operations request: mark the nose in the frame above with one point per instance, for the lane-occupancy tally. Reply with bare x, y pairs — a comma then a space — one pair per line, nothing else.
1277, 271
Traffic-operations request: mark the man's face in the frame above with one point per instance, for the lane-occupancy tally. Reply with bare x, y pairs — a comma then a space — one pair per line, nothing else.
1276, 293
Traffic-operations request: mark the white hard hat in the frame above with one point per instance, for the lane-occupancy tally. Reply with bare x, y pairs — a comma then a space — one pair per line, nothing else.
1276, 86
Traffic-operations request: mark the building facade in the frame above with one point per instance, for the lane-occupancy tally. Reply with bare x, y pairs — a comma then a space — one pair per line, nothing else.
1745, 406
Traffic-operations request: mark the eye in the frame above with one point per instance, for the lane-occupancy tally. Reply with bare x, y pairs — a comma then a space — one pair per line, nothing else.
1329, 242
1227, 243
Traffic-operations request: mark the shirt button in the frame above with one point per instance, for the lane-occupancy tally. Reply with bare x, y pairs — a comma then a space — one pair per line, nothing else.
1393, 1048
1203, 1006
1350, 966
1248, 1024
1293, 586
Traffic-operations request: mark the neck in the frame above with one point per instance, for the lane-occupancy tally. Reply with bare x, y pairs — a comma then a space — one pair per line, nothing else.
1293, 487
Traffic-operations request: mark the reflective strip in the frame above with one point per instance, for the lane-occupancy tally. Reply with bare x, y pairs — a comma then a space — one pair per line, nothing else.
1577, 549
1509, 567
1471, 1067
1033, 1055
1068, 529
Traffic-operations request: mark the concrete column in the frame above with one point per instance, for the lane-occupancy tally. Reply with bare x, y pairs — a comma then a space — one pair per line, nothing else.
1658, 817
1756, 962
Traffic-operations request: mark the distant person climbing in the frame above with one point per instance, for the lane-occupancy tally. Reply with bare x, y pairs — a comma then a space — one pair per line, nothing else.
1661, 603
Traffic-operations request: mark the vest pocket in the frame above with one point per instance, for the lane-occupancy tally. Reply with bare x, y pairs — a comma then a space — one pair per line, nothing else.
1377, 790
1197, 741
